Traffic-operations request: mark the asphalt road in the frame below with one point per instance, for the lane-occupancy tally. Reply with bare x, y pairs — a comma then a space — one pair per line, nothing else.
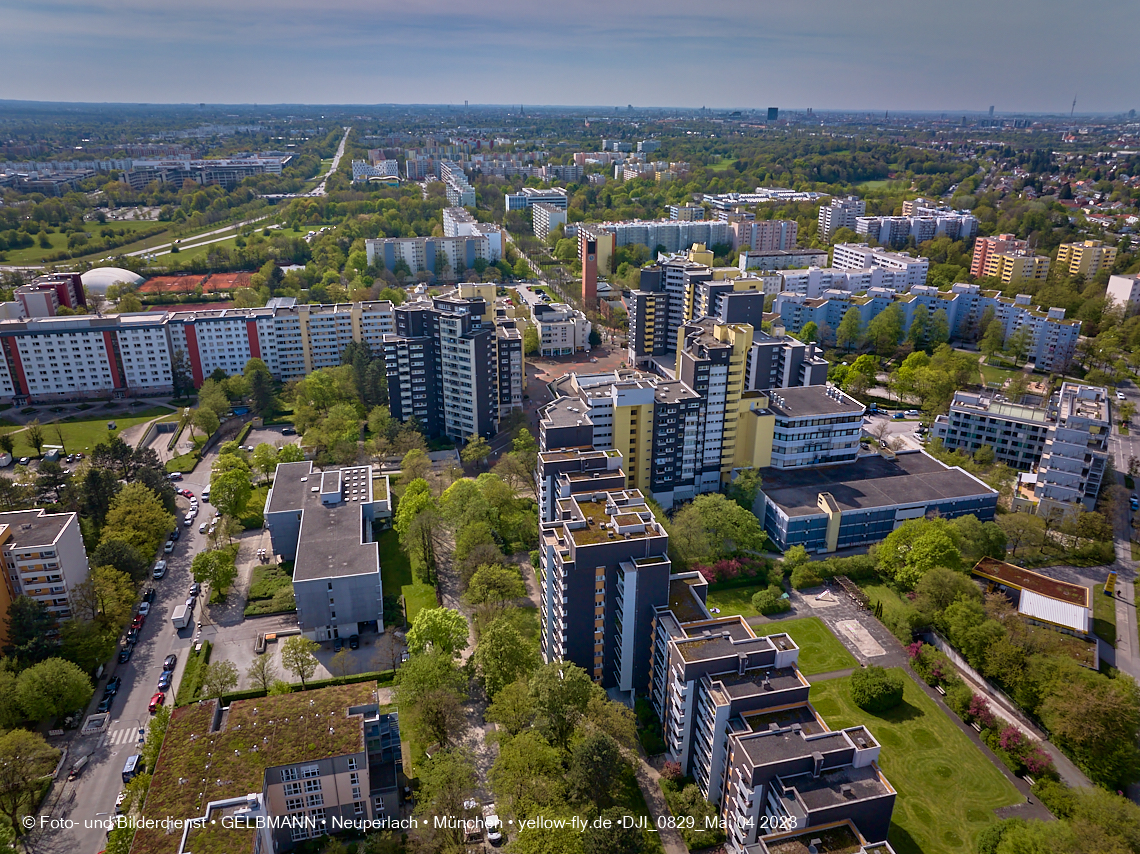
319, 190
93, 794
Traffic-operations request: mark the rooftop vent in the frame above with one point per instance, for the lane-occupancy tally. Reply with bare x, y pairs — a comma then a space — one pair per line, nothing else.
847, 791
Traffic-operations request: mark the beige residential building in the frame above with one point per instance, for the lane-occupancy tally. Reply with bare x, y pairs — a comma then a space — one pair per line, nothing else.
1017, 266
1086, 258
44, 558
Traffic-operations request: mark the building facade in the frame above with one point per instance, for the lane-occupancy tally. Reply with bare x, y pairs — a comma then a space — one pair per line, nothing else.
44, 558
764, 235
841, 213
1016, 266
1124, 291
1086, 258
562, 329
986, 246
860, 256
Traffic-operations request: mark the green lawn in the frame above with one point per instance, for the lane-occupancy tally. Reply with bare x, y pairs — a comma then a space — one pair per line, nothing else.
1104, 616
35, 254
84, 434
820, 650
720, 166
396, 576
271, 590
947, 790
253, 518
735, 600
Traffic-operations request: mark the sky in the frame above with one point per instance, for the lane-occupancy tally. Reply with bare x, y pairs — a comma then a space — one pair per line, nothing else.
962, 55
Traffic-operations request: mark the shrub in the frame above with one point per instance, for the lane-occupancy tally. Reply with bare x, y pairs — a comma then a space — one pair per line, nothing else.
651, 741
770, 601
1038, 763
804, 576
876, 690
979, 712
1012, 740
958, 699
672, 772
1058, 798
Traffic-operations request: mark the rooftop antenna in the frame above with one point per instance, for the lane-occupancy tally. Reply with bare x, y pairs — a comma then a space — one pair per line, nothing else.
1074, 109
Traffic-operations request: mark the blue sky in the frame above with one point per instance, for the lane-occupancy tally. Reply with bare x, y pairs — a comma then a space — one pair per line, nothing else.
1031, 55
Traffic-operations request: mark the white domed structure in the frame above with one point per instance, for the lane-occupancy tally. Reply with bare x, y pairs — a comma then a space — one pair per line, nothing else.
101, 278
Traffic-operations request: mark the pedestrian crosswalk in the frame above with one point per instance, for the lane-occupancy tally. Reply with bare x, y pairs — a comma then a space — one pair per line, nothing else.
121, 736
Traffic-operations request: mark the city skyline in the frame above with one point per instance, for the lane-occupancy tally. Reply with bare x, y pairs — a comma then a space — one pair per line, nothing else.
824, 54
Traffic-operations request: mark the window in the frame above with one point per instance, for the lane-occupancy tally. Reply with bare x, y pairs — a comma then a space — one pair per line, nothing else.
319, 820
293, 804
317, 800
297, 833
358, 809
352, 763
313, 785
311, 771
292, 789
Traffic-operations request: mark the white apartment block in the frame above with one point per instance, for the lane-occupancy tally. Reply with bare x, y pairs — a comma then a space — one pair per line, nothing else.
674, 235
459, 192
547, 218
1124, 291
860, 256
448, 257
841, 213
362, 170
44, 557
813, 281
896, 230
528, 196
1075, 454
458, 222
562, 330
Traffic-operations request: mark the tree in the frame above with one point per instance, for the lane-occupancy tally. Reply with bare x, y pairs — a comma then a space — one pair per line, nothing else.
139, 518
560, 693
885, 329
938, 329
443, 630
1022, 529
850, 329
447, 785
423, 539
745, 487
216, 568
527, 775
122, 556
262, 673
531, 343
129, 303
915, 547
107, 595
475, 452
230, 492
512, 709
712, 526
522, 268
34, 433
291, 454
494, 585
181, 378
25, 759
206, 420
430, 693
30, 624
261, 393
298, 656
212, 396
97, 488
52, 688
876, 690
265, 459
596, 765
809, 332
614, 832
916, 335
415, 465
503, 656
218, 678
1125, 411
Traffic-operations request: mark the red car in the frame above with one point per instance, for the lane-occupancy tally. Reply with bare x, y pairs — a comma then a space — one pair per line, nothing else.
186, 493
138, 621
159, 699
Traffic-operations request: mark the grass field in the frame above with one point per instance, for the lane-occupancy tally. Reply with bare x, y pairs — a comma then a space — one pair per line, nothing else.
1104, 616
271, 590
881, 184
820, 650
720, 166
83, 435
947, 790
36, 254
735, 600
396, 576
996, 375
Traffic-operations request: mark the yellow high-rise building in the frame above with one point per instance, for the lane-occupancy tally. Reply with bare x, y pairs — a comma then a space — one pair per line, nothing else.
1013, 267
1086, 258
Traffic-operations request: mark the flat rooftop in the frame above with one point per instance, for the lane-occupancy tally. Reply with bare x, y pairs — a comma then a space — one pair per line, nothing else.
684, 604
840, 786
805, 401
912, 477
803, 715
755, 682
769, 748
34, 527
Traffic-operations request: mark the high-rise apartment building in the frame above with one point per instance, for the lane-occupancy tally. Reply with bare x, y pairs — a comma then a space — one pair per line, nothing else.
1086, 258
986, 246
687, 213
1011, 268
764, 235
896, 231
841, 213
445, 257
605, 568
860, 256
1124, 291
459, 191
546, 218
1075, 454
528, 196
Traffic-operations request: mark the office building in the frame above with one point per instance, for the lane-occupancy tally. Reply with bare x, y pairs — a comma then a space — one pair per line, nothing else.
735, 716
323, 522
986, 246
1015, 267
1075, 454
841, 213
860, 256
459, 191
452, 368
814, 426
764, 235
782, 259
546, 218
604, 570
562, 329
266, 774
1124, 291
44, 558
1016, 433
528, 196
843, 506
1086, 258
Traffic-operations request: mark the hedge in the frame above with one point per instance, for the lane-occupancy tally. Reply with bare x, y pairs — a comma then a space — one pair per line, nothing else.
192, 676
243, 432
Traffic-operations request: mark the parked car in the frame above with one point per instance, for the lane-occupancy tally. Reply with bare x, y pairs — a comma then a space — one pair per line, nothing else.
148, 594
169, 547
137, 622
177, 475
159, 699
119, 803
164, 679
112, 686
354, 641
169, 662
288, 431
160, 569
24, 461
144, 608
1120, 395
195, 589
105, 704
132, 635
202, 528
190, 603
125, 653
176, 533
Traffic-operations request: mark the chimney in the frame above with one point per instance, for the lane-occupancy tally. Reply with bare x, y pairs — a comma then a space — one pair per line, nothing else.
817, 764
